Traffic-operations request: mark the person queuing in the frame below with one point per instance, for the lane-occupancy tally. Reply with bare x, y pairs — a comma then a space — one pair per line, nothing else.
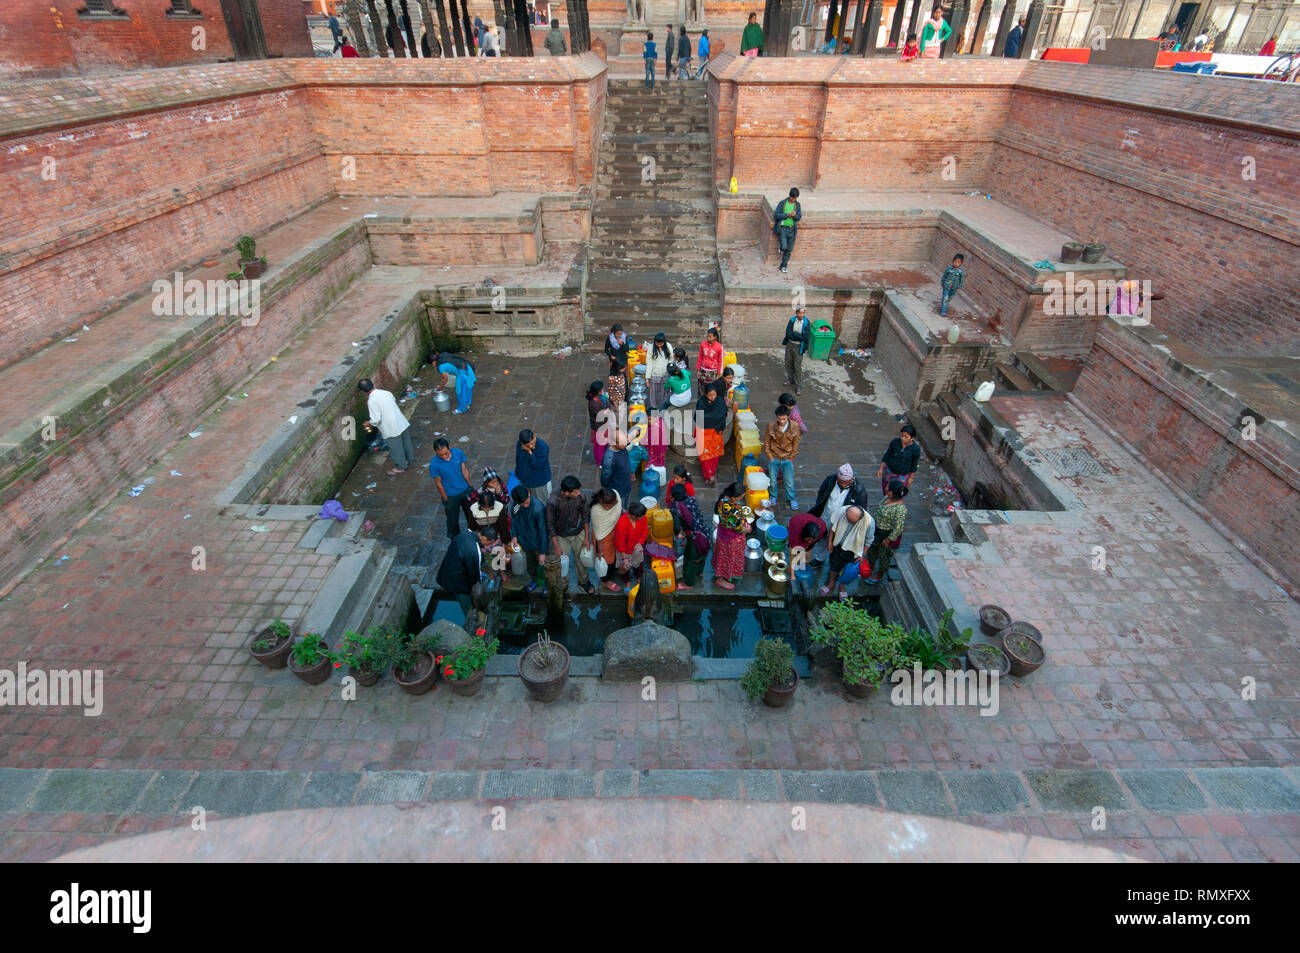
598, 416
617, 348
708, 367
570, 523
605, 510
462, 565
837, 492
616, 470
681, 477
486, 512
781, 446
533, 465
450, 472
391, 422
849, 536
789, 401
689, 526
616, 385
528, 523
806, 531
901, 460
729, 547
657, 360
630, 537
711, 409
891, 516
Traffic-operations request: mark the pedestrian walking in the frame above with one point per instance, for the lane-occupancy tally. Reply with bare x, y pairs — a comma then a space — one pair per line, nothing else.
781, 446
670, 49
554, 41
891, 516
533, 465
391, 423
798, 336
703, 51
785, 225
336, 31
901, 459
570, 522
683, 55
1014, 38
751, 40
450, 473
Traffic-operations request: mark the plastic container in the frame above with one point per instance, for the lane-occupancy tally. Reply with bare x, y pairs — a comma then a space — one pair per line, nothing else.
746, 420
650, 503
728, 358
777, 538
756, 479
667, 574
740, 394
661, 526
823, 337
650, 486
754, 499
564, 566
738, 373
518, 562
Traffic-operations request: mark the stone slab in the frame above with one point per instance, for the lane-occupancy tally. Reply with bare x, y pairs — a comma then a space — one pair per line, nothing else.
832, 787
329, 789
986, 792
697, 784
539, 784
1077, 791
914, 792
389, 787
93, 792
244, 792
1161, 790
1251, 789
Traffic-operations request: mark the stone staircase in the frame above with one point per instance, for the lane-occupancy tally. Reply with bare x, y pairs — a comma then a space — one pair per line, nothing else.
653, 257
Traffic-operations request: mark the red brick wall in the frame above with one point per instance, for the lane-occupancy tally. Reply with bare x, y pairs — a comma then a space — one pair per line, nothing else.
1189, 431
47, 37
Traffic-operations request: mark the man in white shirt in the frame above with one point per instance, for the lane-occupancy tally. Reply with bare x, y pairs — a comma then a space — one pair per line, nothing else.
393, 425
489, 42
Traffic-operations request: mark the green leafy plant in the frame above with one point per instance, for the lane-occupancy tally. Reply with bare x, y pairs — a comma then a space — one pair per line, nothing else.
276, 633
311, 650
468, 660
867, 647
234, 276
372, 652
773, 665
408, 648
935, 650
247, 247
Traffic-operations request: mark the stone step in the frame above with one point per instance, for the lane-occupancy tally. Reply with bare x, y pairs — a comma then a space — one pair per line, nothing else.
619, 233
695, 142
652, 241
666, 311
1014, 378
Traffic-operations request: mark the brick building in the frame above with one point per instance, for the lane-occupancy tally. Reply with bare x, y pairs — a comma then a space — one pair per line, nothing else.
40, 38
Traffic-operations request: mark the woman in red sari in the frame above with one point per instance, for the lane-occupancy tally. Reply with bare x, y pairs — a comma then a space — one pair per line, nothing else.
729, 547
709, 365
711, 411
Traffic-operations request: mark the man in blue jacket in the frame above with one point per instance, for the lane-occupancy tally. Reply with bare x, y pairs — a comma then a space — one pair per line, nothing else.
533, 465
798, 335
528, 523
1014, 39
616, 469
703, 52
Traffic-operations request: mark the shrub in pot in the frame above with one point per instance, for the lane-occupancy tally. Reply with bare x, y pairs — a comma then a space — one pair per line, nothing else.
866, 647
1024, 653
1071, 252
250, 265
988, 657
1093, 252
771, 675
271, 646
368, 656
311, 659
544, 668
465, 667
414, 666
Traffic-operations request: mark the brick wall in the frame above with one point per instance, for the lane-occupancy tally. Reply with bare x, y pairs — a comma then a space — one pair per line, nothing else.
48, 38
1189, 431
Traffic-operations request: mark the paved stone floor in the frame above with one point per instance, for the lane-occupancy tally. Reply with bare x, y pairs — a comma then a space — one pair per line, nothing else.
1138, 710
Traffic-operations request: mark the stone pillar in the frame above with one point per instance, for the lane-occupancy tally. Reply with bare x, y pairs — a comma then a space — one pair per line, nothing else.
467, 22
867, 31
844, 25
377, 25
918, 17
504, 13
394, 29
981, 25
1032, 26
524, 26
357, 32
960, 13
1005, 24
770, 8
896, 25
412, 50
784, 18
830, 24
426, 17
455, 27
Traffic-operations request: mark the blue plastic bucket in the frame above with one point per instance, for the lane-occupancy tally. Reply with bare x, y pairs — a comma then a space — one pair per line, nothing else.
777, 537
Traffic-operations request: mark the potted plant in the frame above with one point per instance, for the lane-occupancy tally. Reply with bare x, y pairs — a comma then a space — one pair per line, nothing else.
544, 668
1071, 252
943, 649
993, 619
311, 660
1021, 628
986, 656
1024, 654
414, 666
465, 667
271, 646
1093, 252
771, 675
250, 265
368, 656
866, 647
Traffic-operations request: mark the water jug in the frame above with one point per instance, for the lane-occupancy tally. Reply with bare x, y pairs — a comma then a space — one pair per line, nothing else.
442, 401
650, 485
740, 394
753, 556
518, 561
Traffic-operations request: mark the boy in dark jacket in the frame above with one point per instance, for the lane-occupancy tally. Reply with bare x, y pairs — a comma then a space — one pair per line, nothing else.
683, 55
798, 335
953, 278
528, 523
785, 223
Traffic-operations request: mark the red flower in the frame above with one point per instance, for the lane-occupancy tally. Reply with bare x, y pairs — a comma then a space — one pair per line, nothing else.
438, 659
480, 631
448, 671
338, 664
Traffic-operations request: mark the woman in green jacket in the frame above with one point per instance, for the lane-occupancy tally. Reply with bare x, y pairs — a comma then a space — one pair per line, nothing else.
751, 41
935, 31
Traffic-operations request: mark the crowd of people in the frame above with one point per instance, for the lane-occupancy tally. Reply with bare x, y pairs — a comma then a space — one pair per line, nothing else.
603, 524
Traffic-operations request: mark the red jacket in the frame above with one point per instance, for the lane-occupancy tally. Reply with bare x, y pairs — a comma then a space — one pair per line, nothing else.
710, 358
348, 51
629, 533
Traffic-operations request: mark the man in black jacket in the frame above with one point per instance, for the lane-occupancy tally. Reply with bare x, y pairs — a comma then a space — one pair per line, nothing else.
462, 567
683, 55
798, 335
837, 493
785, 225
669, 49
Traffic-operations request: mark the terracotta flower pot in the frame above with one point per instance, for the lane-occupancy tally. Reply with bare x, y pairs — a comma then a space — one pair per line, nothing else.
312, 674
277, 656
252, 269
977, 661
364, 676
1093, 252
993, 619
420, 679
467, 686
1025, 655
778, 696
864, 690
1071, 252
1021, 628
544, 684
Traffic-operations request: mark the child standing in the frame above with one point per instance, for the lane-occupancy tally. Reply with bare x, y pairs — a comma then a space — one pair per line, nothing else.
650, 55
953, 278
910, 50
787, 400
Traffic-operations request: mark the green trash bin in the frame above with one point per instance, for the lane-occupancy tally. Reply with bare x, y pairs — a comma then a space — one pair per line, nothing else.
823, 336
